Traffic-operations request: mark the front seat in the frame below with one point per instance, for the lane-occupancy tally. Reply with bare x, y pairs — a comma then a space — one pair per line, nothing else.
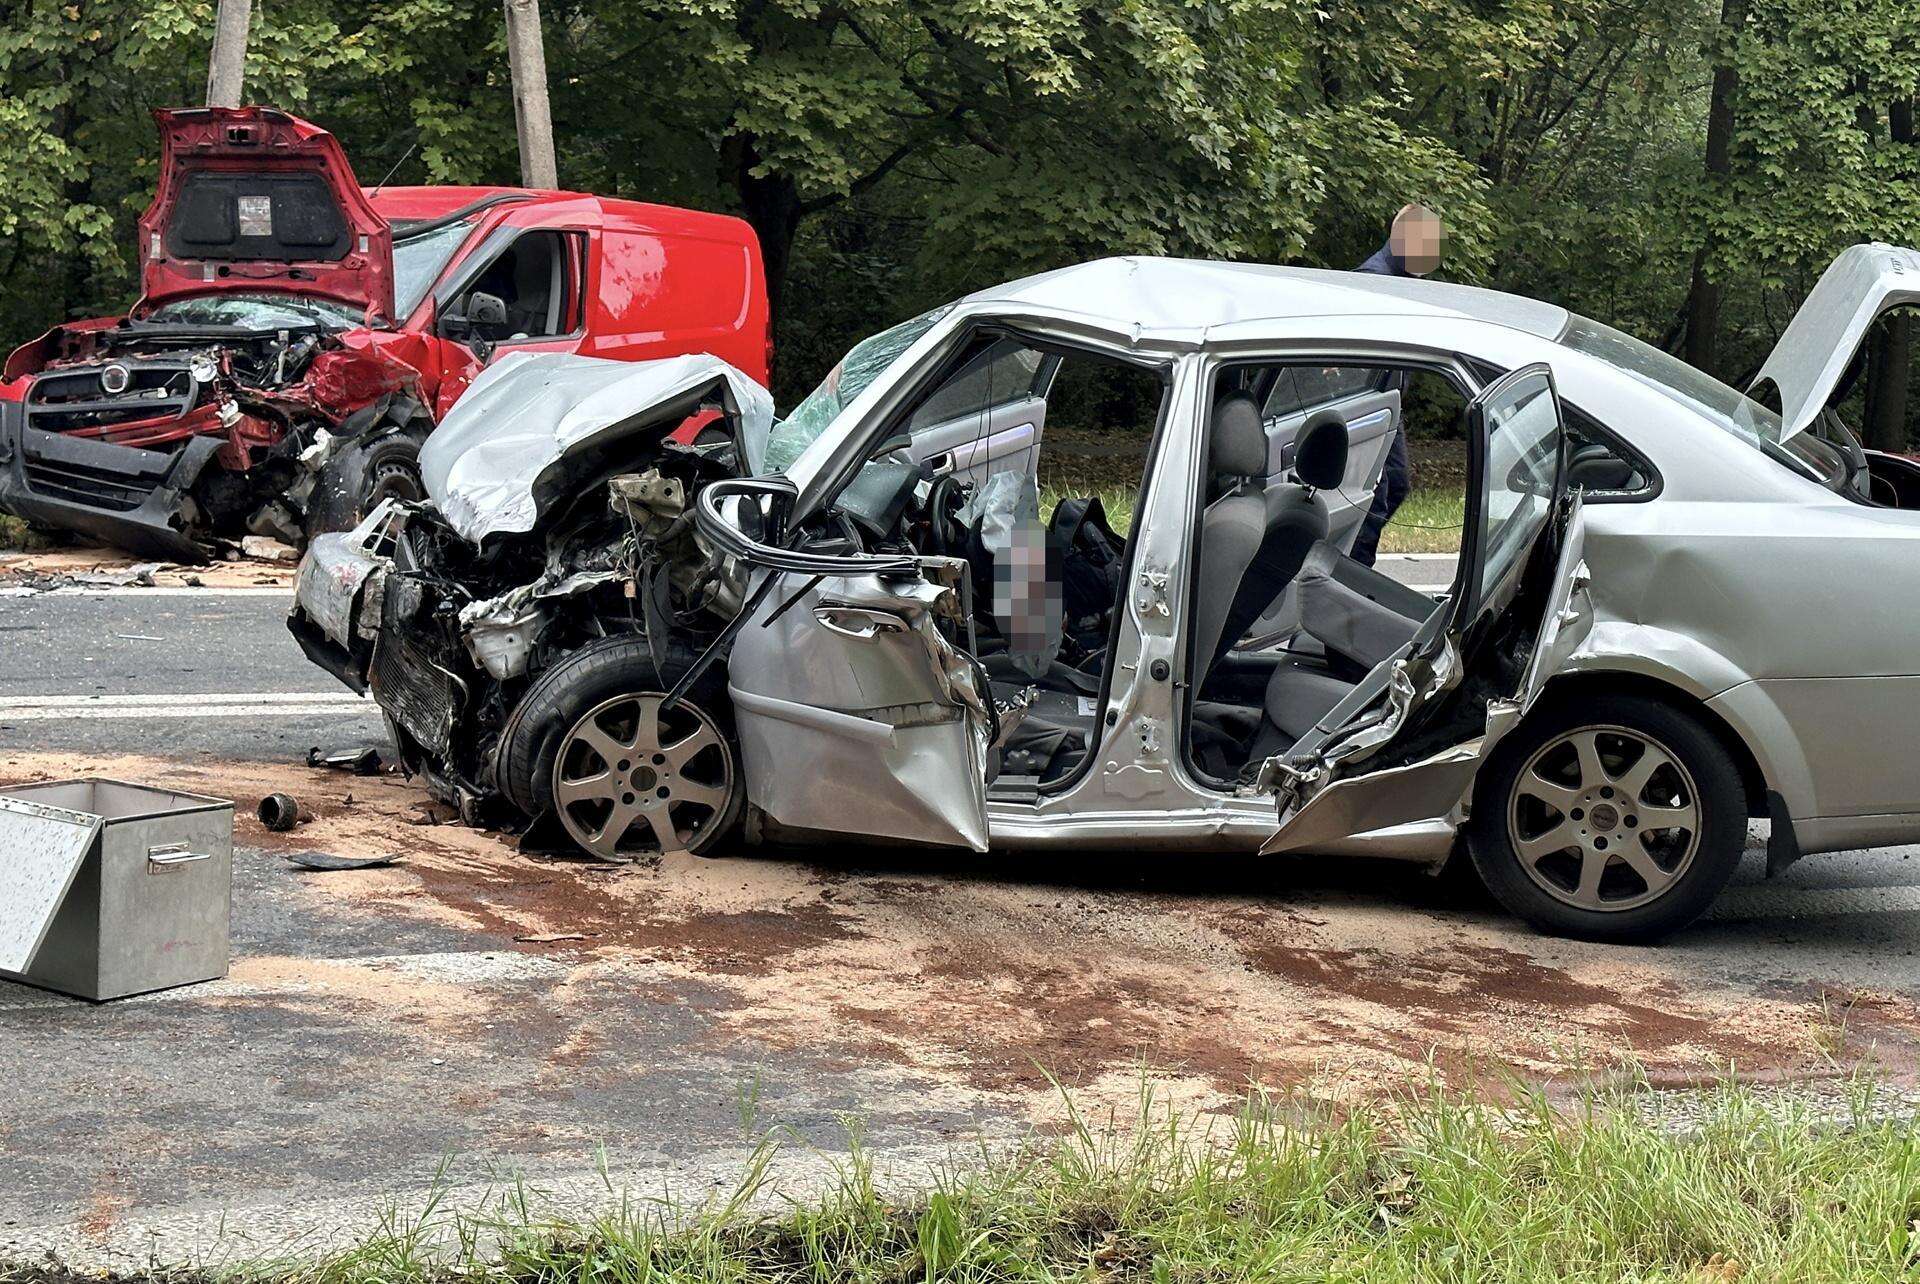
1253, 540
529, 313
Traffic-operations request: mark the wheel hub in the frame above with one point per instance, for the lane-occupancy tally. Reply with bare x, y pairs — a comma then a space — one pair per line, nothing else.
1604, 818
633, 779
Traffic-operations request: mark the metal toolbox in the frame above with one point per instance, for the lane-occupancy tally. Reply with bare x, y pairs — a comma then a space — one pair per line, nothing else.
109, 888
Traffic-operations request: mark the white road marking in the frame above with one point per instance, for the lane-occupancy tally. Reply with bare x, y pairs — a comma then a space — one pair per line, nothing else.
224, 704
223, 697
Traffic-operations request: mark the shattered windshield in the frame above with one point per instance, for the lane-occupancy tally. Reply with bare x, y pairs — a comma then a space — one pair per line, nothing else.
864, 363
255, 312
419, 260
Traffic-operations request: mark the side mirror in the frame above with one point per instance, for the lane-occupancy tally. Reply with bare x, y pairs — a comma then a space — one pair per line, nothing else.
893, 445
486, 311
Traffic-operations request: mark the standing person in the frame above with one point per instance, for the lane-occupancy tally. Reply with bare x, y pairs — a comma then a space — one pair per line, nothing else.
1412, 249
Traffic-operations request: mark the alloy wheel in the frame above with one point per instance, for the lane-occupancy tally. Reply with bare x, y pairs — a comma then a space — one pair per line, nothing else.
1604, 818
631, 780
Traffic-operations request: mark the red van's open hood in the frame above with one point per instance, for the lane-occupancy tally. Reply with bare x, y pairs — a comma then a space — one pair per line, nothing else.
254, 199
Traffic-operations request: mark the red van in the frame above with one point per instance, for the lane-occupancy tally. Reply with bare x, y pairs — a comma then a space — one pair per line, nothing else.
298, 336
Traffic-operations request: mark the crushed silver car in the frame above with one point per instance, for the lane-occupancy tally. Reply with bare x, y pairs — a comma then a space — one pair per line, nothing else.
863, 622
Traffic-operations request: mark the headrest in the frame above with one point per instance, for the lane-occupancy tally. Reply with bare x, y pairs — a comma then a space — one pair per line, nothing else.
1320, 454
1239, 440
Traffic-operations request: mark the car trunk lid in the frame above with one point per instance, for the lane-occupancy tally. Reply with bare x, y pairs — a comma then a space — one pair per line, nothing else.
257, 200
1818, 346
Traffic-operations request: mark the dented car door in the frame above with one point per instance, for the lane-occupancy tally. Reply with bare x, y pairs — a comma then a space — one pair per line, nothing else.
1405, 745
856, 713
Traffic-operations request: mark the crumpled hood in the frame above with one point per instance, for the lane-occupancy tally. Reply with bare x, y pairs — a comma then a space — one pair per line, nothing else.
491, 461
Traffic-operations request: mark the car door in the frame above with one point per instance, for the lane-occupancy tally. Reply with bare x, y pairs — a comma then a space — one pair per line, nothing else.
989, 417
540, 275
858, 712
1406, 743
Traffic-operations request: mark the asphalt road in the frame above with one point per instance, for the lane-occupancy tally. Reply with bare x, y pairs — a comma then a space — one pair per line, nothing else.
176, 671
475, 1010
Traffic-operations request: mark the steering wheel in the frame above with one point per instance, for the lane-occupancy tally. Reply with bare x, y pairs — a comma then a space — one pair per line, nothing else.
944, 529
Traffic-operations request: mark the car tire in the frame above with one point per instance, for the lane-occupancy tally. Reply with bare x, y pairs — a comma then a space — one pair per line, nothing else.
1599, 774
360, 476
686, 776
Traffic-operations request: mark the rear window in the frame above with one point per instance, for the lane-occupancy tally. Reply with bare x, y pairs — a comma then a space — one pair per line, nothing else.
1303, 388
1733, 412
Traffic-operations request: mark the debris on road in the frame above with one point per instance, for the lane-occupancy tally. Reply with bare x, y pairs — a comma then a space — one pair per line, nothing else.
550, 938
87, 567
1226, 974
280, 812
363, 761
326, 862
267, 549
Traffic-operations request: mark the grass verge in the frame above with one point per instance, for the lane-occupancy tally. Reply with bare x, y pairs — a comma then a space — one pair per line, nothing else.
1439, 1189
1429, 522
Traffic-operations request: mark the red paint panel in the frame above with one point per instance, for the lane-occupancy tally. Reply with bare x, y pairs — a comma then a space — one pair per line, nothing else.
241, 142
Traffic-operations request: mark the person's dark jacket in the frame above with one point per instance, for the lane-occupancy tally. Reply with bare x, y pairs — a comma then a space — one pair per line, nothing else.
1384, 262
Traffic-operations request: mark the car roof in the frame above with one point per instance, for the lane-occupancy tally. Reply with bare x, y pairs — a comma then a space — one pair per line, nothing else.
424, 204
1143, 295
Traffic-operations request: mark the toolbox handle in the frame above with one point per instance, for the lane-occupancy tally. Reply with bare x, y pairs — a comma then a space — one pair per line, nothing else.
171, 856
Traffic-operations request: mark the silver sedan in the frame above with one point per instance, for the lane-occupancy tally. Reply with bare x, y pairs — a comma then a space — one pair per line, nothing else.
1678, 606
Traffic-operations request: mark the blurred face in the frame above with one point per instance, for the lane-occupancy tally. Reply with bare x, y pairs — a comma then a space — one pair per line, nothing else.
1418, 239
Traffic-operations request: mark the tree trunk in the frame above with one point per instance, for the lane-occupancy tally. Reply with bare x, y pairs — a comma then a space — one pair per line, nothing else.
532, 113
771, 204
1889, 363
1701, 346
227, 65
1890, 350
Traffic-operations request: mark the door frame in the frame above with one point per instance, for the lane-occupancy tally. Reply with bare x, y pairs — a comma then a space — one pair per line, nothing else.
1306, 779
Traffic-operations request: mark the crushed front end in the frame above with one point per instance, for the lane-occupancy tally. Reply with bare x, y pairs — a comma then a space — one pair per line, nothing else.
159, 438
447, 621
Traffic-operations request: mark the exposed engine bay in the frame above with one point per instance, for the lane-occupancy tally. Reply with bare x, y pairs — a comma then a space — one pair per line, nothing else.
225, 431
447, 613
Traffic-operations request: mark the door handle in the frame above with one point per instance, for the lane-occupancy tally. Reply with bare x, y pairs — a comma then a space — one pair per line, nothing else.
1581, 582
858, 622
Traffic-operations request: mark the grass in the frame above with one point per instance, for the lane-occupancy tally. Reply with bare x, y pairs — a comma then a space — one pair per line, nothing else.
1429, 522
1440, 1188
13, 532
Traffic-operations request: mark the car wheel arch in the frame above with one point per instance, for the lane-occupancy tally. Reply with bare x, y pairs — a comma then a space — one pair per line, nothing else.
1753, 778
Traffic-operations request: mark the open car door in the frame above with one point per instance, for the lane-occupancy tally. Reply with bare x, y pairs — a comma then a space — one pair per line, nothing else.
989, 416
1406, 743
856, 713
1818, 348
